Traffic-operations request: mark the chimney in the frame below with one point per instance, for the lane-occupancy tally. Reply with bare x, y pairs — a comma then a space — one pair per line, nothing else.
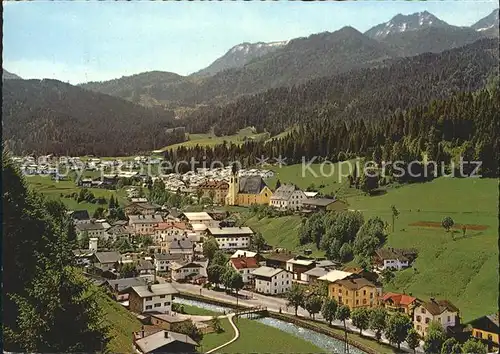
149, 288
433, 299
142, 331
166, 334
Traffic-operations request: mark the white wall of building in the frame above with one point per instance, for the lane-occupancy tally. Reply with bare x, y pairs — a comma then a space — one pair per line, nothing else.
160, 303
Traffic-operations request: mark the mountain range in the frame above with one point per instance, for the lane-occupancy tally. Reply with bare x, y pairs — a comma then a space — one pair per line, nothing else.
9, 76
250, 68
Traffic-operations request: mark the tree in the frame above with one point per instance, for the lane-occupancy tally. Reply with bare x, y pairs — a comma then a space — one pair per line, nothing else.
112, 204
128, 270
99, 213
435, 338
329, 310
211, 195
219, 258
216, 324
361, 318
257, 242
278, 184
43, 294
343, 313
84, 240
388, 275
295, 297
397, 328
237, 282
188, 328
199, 194
369, 180
395, 214
447, 223
210, 246
345, 253
450, 346
473, 346
214, 274
313, 305
412, 339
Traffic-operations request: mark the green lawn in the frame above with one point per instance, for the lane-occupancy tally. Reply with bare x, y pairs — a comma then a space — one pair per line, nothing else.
211, 139
213, 340
464, 270
122, 323
256, 337
193, 310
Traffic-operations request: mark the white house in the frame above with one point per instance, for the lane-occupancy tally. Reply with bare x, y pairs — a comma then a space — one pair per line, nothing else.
245, 266
288, 196
153, 297
183, 270
145, 224
231, 238
297, 266
181, 246
269, 280
167, 231
162, 261
441, 311
393, 258
243, 253
92, 229
200, 218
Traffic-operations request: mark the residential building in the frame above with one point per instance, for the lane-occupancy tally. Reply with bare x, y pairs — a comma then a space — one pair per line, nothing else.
247, 191
183, 247
116, 232
80, 217
167, 322
162, 261
394, 258
167, 231
324, 204
145, 224
272, 281
486, 329
185, 270
278, 259
141, 208
117, 286
245, 266
312, 275
106, 261
355, 292
442, 311
145, 267
152, 297
299, 265
231, 238
288, 196
92, 229
334, 275
199, 218
163, 341
244, 253
399, 303
217, 189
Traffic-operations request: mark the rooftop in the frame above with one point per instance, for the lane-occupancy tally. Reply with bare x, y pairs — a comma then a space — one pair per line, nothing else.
242, 253
180, 265
267, 272
251, 185
355, 283
167, 256
335, 275
155, 341
125, 283
305, 262
437, 307
244, 262
145, 219
399, 299
284, 192
154, 290
180, 244
89, 226
223, 231
319, 201
317, 272
198, 216
108, 257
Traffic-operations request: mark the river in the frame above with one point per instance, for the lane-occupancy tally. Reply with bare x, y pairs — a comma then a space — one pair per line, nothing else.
325, 342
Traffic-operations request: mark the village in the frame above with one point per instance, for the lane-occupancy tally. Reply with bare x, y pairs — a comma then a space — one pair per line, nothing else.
156, 253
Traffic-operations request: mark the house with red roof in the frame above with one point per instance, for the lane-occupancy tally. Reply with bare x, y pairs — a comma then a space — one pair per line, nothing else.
245, 266
399, 303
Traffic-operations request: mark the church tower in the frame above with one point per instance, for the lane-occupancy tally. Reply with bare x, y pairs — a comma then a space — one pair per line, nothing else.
234, 186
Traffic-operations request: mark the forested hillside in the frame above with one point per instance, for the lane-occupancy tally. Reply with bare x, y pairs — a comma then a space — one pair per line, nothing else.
466, 124
370, 94
50, 116
48, 306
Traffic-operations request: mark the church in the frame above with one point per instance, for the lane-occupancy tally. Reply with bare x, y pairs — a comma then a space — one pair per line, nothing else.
247, 190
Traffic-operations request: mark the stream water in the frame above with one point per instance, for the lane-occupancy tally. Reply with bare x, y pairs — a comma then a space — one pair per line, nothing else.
329, 344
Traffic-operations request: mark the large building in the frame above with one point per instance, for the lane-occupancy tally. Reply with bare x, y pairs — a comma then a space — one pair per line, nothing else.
145, 224
247, 190
441, 311
288, 196
231, 238
272, 281
486, 329
355, 292
155, 297
216, 189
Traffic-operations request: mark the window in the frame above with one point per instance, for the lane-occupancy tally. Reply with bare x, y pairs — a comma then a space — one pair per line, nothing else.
419, 318
427, 320
149, 298
149, 307
158, 304
419, 327
364, 292
423, 310
364, 301
490, 337
449, 318
162, 296
357, 302
347, 292
166, 304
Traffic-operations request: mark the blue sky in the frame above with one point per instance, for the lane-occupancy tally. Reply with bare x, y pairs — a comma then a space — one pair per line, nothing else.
77, 41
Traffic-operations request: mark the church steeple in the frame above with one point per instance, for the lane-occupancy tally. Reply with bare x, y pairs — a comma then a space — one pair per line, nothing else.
234, 186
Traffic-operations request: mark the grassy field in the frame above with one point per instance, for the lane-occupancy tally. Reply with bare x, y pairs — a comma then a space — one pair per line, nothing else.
211, 139
213, 340
193, 310
328, 179
53, 190
256, 337
461, 269
122, 323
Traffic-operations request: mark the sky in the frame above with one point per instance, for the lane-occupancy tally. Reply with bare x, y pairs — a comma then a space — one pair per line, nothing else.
81, 41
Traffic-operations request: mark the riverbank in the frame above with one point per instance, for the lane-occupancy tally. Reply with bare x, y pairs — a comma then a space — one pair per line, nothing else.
362, 343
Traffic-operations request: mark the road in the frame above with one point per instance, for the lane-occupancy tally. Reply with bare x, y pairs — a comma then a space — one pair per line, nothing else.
273, 304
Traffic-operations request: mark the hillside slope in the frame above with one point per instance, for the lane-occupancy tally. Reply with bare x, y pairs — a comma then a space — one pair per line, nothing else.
49, 116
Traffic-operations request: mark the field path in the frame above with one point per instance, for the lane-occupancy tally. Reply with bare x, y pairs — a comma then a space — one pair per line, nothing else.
236, 334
